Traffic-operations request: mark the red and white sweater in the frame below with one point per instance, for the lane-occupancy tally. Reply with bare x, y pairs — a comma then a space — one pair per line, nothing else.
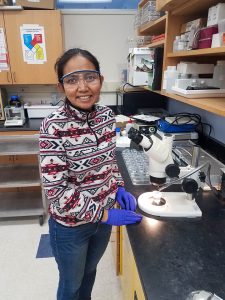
79, 171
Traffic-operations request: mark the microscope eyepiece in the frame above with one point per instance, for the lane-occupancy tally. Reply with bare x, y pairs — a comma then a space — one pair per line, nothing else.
135, 135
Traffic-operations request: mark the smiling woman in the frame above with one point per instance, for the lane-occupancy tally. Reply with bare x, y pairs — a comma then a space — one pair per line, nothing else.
80, 175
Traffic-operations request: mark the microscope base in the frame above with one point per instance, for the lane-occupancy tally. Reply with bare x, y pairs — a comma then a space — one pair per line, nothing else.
177, 205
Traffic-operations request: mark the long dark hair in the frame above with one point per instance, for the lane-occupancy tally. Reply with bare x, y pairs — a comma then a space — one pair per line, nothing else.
62, 60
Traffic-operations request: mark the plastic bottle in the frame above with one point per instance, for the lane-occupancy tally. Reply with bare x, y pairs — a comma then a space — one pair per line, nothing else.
169, 77
219, 74
175, 43
182, 43
117, 132
129, 125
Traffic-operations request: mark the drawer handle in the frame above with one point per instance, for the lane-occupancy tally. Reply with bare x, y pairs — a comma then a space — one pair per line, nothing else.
14, 76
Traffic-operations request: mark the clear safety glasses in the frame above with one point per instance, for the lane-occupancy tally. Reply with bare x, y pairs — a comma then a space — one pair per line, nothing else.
71, 80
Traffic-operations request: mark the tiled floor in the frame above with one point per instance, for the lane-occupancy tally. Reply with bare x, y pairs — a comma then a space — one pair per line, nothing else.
24, 277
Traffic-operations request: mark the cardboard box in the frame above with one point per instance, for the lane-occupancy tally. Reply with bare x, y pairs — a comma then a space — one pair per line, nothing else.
194, 24
38, 4
215, 14
195, 68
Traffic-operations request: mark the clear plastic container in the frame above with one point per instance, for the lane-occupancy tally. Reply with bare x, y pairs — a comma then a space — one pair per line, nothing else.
175, 43
182, 43
169, 78
219, 74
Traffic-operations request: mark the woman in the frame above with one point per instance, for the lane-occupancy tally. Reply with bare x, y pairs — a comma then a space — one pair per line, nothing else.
80, 176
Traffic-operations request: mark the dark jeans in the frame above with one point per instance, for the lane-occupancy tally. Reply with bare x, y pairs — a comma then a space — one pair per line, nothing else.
77, 251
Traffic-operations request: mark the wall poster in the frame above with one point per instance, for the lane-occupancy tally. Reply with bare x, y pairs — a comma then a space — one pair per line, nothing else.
4, 66
33, 43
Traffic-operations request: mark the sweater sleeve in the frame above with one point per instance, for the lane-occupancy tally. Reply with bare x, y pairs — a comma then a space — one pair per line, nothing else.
67, 201
115, 169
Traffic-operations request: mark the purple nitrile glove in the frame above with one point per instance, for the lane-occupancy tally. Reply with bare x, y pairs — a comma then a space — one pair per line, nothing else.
125, 199
118, 217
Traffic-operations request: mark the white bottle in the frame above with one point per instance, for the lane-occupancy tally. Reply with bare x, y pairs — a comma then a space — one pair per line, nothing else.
182, 43
169, 78
175, 43
129, 124
219, 74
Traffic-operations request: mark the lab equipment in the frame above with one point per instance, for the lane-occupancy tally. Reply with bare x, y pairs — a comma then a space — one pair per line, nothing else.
161, 166
202, 295
159, 151
137, 166
14, 116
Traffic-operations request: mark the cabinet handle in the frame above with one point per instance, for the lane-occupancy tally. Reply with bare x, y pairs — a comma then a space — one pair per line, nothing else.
14, 76
8, 78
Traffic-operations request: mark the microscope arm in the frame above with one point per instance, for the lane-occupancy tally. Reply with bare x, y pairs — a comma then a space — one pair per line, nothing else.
164, 186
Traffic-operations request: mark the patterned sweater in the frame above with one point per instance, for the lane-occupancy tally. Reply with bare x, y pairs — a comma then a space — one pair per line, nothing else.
79, 171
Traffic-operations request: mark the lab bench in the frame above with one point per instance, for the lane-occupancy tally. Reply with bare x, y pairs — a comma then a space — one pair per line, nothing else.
176, 256
30, 125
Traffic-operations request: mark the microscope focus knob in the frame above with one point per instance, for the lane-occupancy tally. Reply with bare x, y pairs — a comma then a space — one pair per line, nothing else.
189, 185
172, 170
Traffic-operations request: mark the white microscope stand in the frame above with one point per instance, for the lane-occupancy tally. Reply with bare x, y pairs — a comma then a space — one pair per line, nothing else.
177, 205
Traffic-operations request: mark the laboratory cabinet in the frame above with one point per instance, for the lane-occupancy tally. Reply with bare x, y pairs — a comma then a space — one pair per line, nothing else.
182, 12
21, 191
129, 277
33, 41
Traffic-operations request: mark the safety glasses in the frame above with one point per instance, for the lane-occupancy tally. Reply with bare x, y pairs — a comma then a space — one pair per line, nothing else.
89, 77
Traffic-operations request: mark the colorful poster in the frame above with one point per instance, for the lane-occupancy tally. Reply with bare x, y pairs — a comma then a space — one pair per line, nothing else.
4, 66
33, 43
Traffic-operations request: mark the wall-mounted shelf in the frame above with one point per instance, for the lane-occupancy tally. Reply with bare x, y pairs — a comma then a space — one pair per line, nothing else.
156, 44
153, 27
179, 12
191, 7
199, 52
213, 105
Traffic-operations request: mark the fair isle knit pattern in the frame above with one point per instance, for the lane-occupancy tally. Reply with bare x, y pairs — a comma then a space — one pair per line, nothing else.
79, 171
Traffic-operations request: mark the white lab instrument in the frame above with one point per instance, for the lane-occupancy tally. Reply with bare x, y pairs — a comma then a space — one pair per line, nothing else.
161, 165
14, 116
159, 151
203, 295
169, 204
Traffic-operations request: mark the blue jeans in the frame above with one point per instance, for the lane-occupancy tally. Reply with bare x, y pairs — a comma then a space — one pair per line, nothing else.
77, 251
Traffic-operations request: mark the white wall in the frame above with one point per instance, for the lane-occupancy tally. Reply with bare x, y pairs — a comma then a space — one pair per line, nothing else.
103, 32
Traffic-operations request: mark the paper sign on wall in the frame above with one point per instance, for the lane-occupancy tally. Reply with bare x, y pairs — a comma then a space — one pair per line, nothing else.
4, 66
33, 43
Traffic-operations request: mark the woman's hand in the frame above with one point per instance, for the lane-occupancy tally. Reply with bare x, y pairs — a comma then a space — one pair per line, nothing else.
125, 199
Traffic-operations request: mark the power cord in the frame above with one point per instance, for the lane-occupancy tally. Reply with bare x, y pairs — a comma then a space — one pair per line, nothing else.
194, 119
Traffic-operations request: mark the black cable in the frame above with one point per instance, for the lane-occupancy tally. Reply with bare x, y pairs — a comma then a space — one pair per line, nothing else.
191, 117
125, 85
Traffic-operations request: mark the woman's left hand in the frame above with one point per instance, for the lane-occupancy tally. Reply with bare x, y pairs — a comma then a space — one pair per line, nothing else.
125, 199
